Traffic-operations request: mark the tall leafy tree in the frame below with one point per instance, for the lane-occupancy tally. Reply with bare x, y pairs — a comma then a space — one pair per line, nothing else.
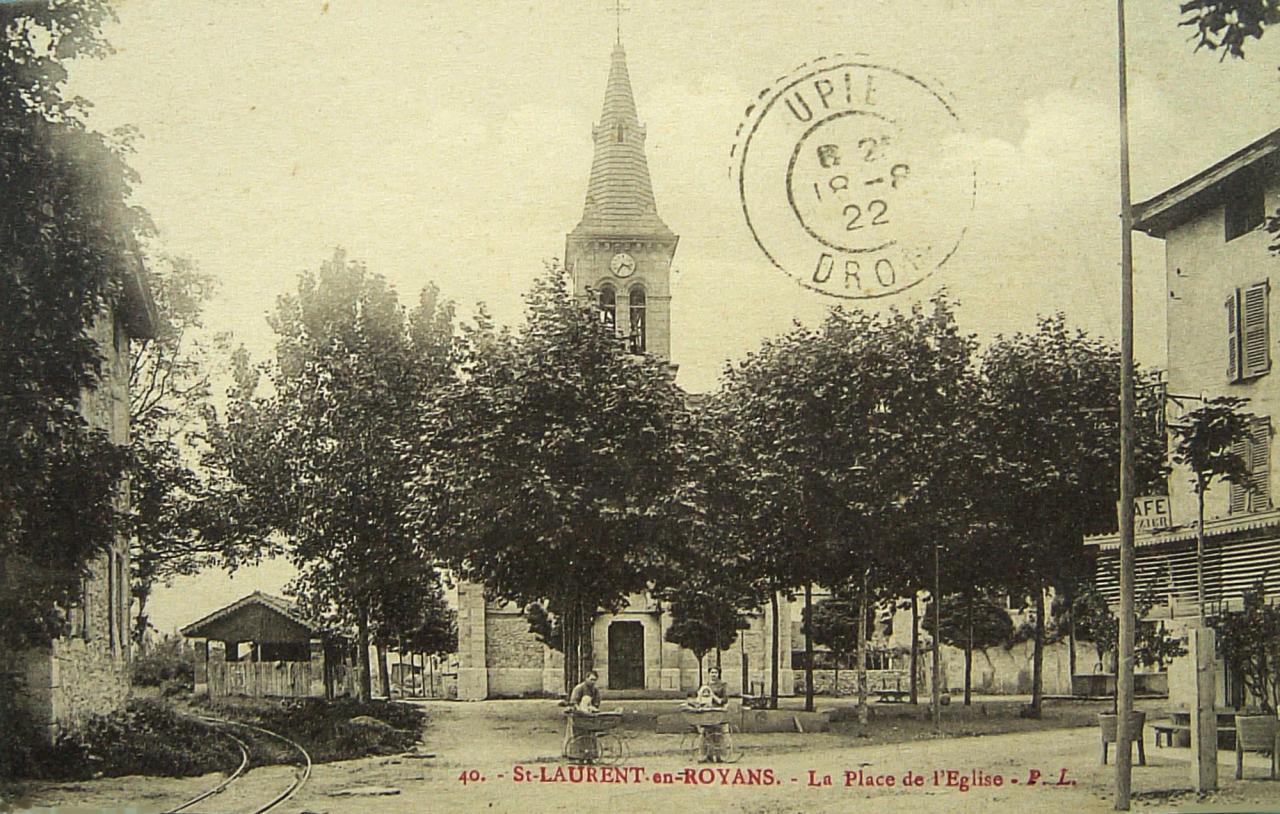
179, 519
1051, 418
1228, 25
970, 621
323, 459
554, 468
705, 620
1205, 442
833, 623
68, 235
849, 434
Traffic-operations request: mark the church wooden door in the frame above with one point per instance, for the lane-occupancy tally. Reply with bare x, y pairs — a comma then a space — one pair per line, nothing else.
626, 656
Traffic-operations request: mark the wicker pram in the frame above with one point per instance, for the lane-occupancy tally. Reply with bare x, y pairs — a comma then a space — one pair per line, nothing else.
705, 717
584, 722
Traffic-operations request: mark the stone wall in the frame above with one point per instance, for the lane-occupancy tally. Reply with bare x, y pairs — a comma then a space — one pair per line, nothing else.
83, 674
508, 642
86, 672
996, 671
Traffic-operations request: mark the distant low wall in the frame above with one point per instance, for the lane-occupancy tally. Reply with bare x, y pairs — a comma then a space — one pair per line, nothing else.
996, 671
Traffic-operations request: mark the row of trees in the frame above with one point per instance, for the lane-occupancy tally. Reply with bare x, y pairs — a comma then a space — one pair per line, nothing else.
565, 473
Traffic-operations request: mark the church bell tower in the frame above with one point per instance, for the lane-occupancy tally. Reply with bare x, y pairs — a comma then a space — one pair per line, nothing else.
620, 252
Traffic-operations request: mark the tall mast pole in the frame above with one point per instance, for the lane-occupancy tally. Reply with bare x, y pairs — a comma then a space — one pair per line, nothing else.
1124, 677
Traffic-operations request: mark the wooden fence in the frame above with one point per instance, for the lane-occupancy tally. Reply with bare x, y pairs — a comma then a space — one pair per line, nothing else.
262, 678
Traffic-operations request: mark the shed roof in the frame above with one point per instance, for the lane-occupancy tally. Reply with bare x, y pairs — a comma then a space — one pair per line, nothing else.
1177, 204
224, 616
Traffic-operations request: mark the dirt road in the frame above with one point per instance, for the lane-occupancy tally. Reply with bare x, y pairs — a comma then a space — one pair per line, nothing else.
502, 756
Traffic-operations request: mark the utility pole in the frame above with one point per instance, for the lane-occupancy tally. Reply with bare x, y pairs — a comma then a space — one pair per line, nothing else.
1124, 672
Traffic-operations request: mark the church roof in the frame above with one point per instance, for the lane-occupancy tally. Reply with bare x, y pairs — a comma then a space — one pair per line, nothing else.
619, 194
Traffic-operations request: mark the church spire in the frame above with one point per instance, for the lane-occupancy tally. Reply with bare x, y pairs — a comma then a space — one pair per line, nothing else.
619, 194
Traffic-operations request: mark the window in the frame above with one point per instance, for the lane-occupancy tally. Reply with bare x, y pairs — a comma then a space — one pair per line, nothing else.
1256, 451
609, 305
621, 133
1248, 332
1244, 208
637, 320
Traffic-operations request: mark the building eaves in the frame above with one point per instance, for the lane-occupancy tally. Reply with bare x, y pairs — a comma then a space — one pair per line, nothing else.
273, 603
1180, 534
1161, 213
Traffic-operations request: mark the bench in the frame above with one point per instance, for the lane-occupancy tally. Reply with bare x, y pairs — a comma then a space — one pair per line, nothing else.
893, 696
1167, 728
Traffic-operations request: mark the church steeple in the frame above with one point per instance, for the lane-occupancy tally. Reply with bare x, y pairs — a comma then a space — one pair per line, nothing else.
619, 193
621, 250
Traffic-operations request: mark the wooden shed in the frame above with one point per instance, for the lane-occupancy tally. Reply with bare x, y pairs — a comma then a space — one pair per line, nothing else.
262, 646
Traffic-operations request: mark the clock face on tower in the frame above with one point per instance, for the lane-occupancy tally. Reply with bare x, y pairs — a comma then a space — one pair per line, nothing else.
622, 264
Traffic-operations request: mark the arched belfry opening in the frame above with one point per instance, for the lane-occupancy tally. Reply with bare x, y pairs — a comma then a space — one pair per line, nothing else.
637, 307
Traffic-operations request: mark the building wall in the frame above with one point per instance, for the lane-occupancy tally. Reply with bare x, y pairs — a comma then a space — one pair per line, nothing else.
996, 671
499, 657
86, 672
1202, 270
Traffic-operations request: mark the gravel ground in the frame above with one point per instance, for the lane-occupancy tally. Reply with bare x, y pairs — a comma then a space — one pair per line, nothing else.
509, 750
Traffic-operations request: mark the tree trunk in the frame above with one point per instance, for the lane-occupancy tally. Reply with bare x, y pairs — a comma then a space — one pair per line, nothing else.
835, 688
915, 645
773, 653
742, 649
362, 645
586, 646
1037, 668
862, 654
384, 672
1199, 551
140, 621
808, 648
968, 656
1071, 631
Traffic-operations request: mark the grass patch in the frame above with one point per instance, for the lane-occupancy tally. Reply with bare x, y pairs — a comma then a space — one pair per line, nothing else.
147, 737
333, 730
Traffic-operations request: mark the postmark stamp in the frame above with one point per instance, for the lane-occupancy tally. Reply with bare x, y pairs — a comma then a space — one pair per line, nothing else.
854, 178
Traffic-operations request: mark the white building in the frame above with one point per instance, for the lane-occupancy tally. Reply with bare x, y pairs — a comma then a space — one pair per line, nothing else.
1218, 272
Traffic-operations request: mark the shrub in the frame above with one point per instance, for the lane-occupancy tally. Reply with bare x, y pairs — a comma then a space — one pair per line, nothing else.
325, 728
169, 662
147, 737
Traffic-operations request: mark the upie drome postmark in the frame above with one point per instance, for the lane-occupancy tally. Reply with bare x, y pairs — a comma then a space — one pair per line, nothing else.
853, 177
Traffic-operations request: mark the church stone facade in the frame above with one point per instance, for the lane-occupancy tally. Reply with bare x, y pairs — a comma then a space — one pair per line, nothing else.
620, 255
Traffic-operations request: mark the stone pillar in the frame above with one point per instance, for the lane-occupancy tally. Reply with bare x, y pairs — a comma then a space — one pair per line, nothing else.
202, 667
316, 685
786, 678
473, 669
670, 655
1204, 718
552, 671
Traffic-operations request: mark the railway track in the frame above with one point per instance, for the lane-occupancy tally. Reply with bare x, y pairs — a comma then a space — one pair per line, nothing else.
302, 769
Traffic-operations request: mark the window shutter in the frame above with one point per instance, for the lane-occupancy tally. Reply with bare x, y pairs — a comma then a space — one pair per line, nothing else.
1233, 336
1256, 351
1240, 494
1260, 465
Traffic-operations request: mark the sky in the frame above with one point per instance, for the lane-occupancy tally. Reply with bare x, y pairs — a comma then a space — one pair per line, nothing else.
451, 143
